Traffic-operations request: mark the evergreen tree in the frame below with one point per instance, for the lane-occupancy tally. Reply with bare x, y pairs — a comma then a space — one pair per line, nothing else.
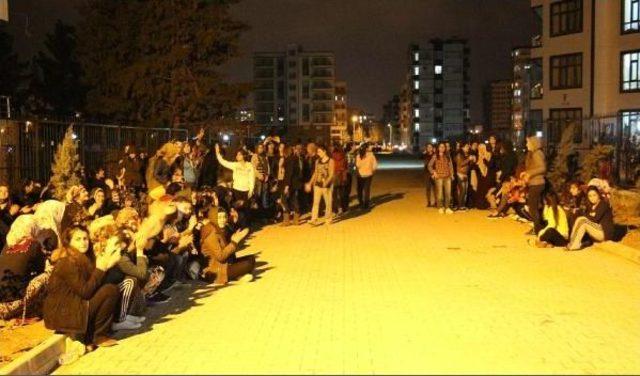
559, 172
12, 71
590, 167
56, 87
66, 166
157, 61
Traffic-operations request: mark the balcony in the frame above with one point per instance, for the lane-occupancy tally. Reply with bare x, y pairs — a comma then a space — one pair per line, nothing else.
322, 61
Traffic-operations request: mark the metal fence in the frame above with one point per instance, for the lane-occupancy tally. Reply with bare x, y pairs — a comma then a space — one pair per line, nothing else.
621, 131
29, 153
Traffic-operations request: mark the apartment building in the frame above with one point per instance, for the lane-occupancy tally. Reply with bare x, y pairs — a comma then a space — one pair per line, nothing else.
437, 85
589, 51
391, 119
497, 98
339, 128
294, 92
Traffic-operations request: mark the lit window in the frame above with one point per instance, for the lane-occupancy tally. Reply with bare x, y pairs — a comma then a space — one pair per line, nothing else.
630, 75
416, 56
438, 69
416, 113
416, 70
631, 16
517, 93
416, 126
416, 85
336, 97
630, 122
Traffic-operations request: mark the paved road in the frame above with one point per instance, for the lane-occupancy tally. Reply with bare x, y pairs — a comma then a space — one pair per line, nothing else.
399, 290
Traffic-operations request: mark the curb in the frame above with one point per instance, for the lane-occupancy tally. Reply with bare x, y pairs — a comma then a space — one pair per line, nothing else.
40, 360
620, 250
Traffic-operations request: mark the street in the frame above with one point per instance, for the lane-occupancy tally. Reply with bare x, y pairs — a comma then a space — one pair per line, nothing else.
401, 289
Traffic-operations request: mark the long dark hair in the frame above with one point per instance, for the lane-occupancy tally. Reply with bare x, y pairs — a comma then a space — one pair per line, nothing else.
444, 153
363, 150
550, 198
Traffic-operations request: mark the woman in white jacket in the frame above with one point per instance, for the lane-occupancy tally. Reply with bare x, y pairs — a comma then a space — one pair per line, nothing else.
366, 165
243, 175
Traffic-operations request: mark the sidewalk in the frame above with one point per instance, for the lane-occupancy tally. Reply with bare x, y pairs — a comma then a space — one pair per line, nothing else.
399, 290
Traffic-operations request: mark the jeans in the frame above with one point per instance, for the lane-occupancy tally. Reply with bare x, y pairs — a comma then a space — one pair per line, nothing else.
431, 191
443, 191
533, 202
364, 191
322, 193
463, 188
585, 226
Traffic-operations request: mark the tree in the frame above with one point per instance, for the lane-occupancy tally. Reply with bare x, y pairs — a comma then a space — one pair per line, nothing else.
559, 172
66, 166
590, 166
12, 71
56, 87
156, 61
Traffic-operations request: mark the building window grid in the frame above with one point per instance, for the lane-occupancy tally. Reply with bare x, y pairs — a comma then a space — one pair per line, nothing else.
566, 17
630, 16
630, 71
630, 122
566, 71
560, 118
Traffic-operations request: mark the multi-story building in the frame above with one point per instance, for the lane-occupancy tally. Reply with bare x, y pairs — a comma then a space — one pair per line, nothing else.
406, 115
294, 92
391, 119
498, 108
339, 129
589, 51
527, 85
438, 83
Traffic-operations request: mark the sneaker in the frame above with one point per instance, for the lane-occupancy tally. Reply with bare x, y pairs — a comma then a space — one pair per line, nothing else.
158, 298
441, 211
135, 319
448, 211
125, 325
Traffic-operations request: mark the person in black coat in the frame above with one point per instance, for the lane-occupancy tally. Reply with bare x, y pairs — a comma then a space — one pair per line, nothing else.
209, 170
294, 175
597, 223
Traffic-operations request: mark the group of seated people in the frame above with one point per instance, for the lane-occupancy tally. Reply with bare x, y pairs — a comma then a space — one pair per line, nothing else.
492, 176
91, 263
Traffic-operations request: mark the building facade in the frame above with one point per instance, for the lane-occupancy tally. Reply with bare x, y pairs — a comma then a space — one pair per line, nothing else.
437, 85
589, 51
498, 96
391, 119
294, 92
339, 128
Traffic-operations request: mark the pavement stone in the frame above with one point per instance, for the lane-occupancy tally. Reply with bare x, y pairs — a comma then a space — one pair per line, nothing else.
401, 289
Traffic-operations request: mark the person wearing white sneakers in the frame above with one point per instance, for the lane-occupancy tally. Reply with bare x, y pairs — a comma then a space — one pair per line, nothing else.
441, 169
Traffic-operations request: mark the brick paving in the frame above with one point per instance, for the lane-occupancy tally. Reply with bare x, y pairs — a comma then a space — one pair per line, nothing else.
399, 290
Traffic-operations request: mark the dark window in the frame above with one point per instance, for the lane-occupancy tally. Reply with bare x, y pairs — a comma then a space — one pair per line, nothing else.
305, 90
305, 113
559, 118
305, 66
280, 67
280, 90
566, 71
630, 71
566, 17
630, 16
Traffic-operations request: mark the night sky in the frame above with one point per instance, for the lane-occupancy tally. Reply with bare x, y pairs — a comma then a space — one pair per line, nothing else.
369, 37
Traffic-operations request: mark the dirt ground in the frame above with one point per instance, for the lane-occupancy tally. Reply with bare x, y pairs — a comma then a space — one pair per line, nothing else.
16, 340
632, 239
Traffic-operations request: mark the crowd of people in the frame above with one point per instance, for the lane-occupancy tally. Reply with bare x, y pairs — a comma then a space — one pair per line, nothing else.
491, 176
92, 262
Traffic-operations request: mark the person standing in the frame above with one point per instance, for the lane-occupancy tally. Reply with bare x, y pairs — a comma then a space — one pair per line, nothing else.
243, 175
463, 162
131, 170
441, 170
535, 168
340, 177
261, 172
429, 152
350, 153
322, 184
294, 181
366, 164
209, 171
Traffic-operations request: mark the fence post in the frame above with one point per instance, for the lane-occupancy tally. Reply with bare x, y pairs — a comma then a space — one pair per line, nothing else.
37, 155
